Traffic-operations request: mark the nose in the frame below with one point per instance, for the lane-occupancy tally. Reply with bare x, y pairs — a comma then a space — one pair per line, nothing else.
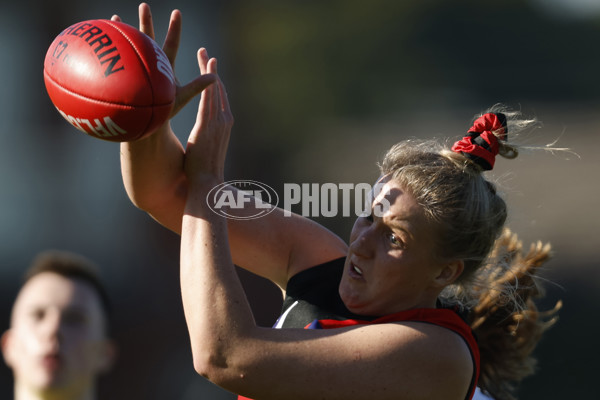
51, 328
363, 243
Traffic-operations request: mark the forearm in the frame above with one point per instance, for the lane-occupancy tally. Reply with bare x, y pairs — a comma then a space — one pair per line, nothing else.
152, 171
216, 309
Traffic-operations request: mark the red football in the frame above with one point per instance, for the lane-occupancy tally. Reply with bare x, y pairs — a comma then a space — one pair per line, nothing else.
109, 80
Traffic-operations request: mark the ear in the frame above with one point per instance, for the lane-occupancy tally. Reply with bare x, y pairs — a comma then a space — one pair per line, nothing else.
449, 273
5, 342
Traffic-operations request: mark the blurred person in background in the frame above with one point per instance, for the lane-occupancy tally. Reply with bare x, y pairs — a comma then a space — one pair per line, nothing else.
57, 344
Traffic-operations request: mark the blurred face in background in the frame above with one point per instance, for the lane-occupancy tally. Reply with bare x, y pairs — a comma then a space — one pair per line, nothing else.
57, 340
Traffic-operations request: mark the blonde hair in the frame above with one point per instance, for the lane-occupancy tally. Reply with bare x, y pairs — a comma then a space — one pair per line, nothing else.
505, 319
469, 216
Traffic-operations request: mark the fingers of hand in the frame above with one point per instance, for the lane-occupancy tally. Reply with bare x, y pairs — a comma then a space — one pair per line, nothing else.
199, 84
190, 90
187, 92
209, 96
115, 18
146, 24
224, 101
214, 106
172, 40
203, 60
221, 103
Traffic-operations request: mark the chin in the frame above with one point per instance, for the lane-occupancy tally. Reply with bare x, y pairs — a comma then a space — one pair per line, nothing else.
52, 381
351, 299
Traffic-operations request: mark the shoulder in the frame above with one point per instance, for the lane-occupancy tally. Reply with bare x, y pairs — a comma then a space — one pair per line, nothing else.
419, 333
426, 338
418, 359
437, 358
441, 341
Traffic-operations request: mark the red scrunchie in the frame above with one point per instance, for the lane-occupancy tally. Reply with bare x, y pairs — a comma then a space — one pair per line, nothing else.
481, 145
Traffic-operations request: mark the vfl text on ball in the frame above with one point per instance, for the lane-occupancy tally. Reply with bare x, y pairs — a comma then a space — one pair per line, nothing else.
102, 127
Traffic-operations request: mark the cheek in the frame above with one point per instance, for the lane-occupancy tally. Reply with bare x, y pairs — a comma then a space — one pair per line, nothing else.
76, 342
83, 349
399, 274
27, 341
390, 284
21, 353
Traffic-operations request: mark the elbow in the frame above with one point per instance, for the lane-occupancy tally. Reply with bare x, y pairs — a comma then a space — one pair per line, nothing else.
224, 362
138, 197
156, 200
213, 367
137, 201
205, 367
206, 361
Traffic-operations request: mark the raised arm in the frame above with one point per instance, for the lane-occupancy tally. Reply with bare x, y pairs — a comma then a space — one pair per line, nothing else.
152, 168
385, 361
274, 246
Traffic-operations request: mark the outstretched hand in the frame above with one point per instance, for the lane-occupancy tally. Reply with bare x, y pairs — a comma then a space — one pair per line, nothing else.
209, 139
188, 91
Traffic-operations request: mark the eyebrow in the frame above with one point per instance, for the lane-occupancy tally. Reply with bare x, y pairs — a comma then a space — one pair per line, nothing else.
69, 308
395, 223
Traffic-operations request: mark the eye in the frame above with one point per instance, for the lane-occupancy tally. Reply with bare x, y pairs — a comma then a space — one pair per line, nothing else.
37, 314
74, 318
395, 241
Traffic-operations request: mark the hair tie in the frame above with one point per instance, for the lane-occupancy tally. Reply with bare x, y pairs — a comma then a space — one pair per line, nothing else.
481, 145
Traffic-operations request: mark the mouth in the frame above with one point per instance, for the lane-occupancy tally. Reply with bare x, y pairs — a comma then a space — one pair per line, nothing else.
355, 271
52, 362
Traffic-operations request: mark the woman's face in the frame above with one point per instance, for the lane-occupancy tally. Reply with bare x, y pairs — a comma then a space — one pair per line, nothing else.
391, 265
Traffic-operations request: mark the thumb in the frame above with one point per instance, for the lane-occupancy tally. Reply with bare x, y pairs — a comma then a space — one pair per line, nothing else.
190, 90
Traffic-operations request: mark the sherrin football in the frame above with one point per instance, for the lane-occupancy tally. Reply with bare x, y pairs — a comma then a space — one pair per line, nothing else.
109, 80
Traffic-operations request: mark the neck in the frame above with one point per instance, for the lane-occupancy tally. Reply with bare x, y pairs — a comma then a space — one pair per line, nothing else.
23, 392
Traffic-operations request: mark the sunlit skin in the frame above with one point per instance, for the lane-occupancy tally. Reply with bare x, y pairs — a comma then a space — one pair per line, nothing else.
401, 360
391, 265
57, 342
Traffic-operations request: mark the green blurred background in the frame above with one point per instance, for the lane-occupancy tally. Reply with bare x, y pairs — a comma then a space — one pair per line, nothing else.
319, 89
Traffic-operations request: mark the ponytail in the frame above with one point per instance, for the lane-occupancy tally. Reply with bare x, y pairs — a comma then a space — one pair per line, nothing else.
505, 320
